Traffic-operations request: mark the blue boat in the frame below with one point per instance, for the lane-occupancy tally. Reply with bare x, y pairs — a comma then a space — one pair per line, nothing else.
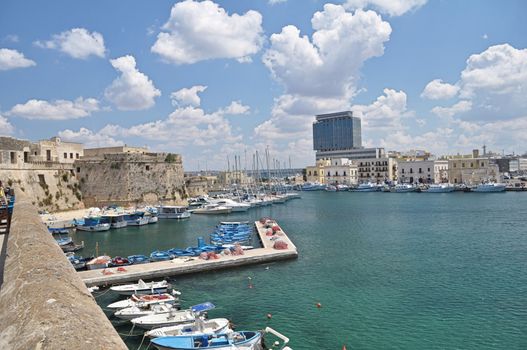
160, 256
94, 224
58, 231
64, 241
225, 341
136, 219
138, 259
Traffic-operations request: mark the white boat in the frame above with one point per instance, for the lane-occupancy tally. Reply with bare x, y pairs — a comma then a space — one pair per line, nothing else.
152, 219
141, 288
132, 312
439, 188
93, 224
229, 203
171, 318
242, 340
143, 300
100, 262
403, 188
199, 326
136, 219
367, 187
212, 209
489, 187
115, 220
172, 212
279, 199
331, 188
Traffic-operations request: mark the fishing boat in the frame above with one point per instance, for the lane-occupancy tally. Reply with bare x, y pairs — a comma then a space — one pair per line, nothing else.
137, 311
93, 224
331, 188
160, 256
439, 188
152, 218
78, 262
59, 230
138, 259
367, 187
141, 288
172, 212
136, 219
100, 262
489, 187
247, 340
173, 317
115, 220
199, 326
312, 187
342, 187
67, 245
119, 261
140, 300
213, 209
403, 188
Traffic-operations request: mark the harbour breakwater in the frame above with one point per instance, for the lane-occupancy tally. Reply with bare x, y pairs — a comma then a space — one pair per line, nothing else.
43, 302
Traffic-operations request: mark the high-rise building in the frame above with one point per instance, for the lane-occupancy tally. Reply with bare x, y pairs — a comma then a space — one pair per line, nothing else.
336, 131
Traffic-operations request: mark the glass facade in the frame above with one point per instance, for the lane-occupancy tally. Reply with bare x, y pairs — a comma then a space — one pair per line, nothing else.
336, 131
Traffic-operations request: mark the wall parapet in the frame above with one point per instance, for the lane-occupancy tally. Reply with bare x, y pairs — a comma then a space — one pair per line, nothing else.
43, 303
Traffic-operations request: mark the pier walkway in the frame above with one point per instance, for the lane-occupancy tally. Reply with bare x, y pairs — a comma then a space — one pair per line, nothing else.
180, 266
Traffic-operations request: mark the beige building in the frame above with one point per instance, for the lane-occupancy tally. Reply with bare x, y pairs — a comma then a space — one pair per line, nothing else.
101, 151
377, 170
340, 171
422, 171
226, 178
472, 171
316, 173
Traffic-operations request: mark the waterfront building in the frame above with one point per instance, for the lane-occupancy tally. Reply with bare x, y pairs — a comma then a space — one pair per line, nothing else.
226, 178
316, 173
472, 171
422, 171
377, 170
341, 171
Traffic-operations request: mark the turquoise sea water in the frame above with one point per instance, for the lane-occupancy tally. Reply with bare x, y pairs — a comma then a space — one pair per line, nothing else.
391, 270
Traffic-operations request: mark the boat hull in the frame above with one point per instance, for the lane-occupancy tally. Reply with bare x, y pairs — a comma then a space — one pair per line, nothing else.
212, 212
96, 228
177, 216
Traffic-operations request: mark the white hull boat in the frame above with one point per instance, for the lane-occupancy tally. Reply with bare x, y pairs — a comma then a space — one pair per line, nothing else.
229, 203
403, 188
489, 187
213, 209
99, 262
243, 340
138, 222
119, 224
94, 228
132, 312
172, 212
141, 288
212, 326
442, 188
152, 219
171, 318
144, 300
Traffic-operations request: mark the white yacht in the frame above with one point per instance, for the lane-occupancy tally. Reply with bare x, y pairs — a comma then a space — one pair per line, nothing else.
172, 212
403, 188
367, 187
230, 203
213, 209
199, 326
440, 188
489, 187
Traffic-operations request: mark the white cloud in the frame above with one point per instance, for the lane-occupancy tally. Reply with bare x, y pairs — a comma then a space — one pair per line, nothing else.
6, 128
274, 2
132, 90
11, 59
187, 96
13, 38
198, 31
235, 108
385, 112
76, 42
438, 90
56, 110
389, 7
448, 112
89, 138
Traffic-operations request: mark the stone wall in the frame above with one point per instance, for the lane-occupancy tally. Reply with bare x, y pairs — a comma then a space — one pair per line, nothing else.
131, 179
43, 303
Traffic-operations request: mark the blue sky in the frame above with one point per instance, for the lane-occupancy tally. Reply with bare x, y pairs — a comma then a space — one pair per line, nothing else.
213, 79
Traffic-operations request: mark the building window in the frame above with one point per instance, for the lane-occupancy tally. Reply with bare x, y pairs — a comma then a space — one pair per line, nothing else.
41, 179
71, 155
471, 165
13, 157
309, 173
328, 174
402, 171
65, 155
147, 167
462, 165
411, 170
76, 155
78, 169
344, 173
48, 155
428, 169
454, 165
315, 173
26, 157
336, 173
482, 164
420, 170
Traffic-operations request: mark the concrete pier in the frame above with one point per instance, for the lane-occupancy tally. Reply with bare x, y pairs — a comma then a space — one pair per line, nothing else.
43, 302
180, 266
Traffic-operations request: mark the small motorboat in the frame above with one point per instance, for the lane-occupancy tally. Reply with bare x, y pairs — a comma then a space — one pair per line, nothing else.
173, 317
199, 326
59, 231
246, 340
139, 300
213, 209
173, 212
141, 288
100, 262
94, 224
78, 262
129, 313
119, 261
138, 259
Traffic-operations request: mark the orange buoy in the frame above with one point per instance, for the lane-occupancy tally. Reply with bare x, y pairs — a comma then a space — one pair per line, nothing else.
269, 316
318, 305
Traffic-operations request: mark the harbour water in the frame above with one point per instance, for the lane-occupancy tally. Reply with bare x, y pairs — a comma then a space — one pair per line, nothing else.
391, 271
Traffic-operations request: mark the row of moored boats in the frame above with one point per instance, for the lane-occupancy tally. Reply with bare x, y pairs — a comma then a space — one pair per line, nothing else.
402, 188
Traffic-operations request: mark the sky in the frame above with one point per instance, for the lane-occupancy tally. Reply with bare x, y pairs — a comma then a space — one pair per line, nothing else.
214, 79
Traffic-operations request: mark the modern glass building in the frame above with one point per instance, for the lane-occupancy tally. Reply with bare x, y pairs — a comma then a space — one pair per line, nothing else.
336, 132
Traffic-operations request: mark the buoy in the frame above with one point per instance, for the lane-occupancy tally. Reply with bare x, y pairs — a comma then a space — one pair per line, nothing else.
250, 286
318, 305
276, 343
269, 316
343, 347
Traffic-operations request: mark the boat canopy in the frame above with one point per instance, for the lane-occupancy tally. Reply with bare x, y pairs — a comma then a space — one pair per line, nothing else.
203, 307
91, 221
